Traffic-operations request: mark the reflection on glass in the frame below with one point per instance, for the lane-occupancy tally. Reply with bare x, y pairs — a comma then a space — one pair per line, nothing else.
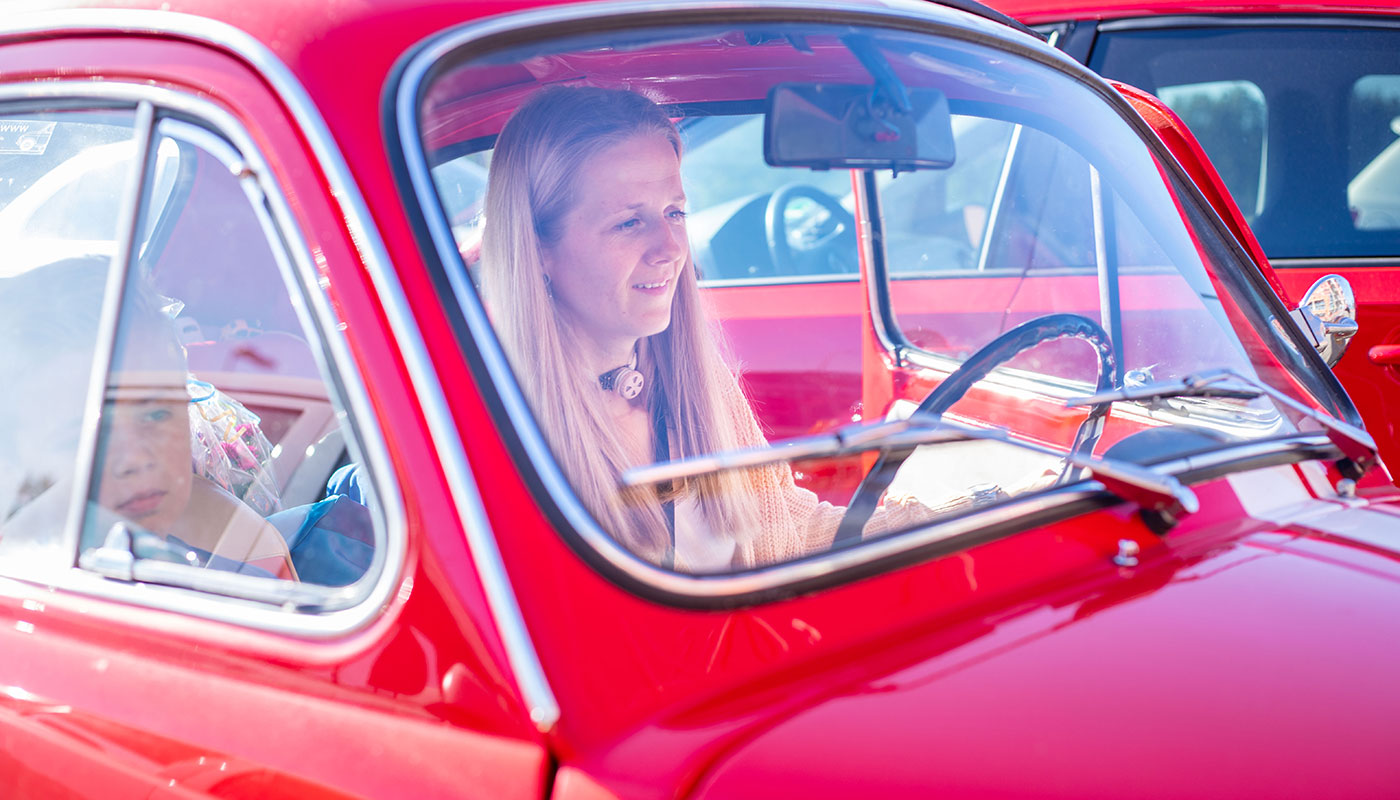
616, 174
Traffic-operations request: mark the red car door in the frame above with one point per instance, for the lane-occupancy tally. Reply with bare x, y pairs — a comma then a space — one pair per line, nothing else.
143, 679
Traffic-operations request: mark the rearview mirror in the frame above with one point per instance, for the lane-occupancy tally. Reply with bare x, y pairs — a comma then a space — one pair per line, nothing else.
853, 126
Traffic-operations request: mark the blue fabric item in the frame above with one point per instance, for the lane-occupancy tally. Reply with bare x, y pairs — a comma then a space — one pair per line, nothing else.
332, 541
346, 481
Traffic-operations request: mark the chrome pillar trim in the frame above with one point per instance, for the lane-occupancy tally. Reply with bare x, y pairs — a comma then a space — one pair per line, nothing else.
520, 652
885, 327
128, 219
352, 606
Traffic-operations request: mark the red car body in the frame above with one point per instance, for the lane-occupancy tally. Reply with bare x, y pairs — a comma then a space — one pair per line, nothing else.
1249, 653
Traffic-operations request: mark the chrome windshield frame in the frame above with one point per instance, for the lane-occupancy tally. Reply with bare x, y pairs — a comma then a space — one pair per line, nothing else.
519, 428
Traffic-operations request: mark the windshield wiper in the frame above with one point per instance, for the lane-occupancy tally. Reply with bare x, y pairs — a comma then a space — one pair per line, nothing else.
1358, 448
1161, 497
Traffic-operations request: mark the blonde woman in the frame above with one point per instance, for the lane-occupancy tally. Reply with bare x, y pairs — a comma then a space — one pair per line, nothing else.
587, 273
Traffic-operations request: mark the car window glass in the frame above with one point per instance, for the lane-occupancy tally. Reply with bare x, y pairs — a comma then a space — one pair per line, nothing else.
1373, 117
219, 444
1053, 224
48, 325
218, 435
724, 171
935, 220
620, 173
1230, 119
1307, 110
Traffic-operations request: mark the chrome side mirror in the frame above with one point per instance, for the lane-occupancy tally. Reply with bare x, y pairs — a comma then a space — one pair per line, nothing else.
1327, 317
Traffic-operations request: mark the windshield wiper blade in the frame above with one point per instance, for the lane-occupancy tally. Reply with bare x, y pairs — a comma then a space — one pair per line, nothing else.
1200, 384
1358, 448
1161, 496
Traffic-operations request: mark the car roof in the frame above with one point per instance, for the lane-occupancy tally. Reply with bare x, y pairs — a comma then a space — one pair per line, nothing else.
291, 28
1040, 11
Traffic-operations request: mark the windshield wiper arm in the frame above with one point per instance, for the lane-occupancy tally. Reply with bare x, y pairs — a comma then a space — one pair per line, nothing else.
1199, 384
1161, 497
1358, 447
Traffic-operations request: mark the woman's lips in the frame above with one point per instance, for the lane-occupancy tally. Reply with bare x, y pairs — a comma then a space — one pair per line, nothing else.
142, 505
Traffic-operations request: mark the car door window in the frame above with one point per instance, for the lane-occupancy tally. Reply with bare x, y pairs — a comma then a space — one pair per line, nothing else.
1297, 119
65, 175
1230, 119
1373, 147
211, 434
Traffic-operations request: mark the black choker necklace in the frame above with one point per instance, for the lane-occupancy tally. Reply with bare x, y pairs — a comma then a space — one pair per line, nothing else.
624, 380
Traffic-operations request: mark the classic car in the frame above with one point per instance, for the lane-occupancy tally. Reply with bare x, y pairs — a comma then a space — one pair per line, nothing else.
281, 517
1298, 107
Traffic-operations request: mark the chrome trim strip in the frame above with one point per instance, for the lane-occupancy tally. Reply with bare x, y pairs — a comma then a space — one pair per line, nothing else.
1247, 451
812, 280
1336, 262
1013, 147
865, 241
345, 378
1333, 18
532, 439
128, 220
520, 652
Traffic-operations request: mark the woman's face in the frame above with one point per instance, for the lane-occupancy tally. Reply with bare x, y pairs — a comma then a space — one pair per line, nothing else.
622, 246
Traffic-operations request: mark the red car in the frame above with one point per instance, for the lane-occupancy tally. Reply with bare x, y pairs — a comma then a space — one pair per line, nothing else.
1298, 107
290, 503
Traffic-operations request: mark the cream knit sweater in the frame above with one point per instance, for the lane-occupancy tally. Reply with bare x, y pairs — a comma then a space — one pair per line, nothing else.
793, 522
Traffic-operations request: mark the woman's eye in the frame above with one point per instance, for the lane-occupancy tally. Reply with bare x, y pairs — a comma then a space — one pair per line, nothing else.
678, 213
631, 223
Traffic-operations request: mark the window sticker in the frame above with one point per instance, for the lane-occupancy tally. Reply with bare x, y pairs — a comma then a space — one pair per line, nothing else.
25, 136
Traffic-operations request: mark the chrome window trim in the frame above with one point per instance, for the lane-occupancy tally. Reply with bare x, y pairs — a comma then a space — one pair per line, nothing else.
1325, 19
534, 687
1335, 262
680, 586
118, 265
799, 280
359, 604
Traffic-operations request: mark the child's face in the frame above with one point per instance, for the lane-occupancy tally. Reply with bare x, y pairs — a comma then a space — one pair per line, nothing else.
145, 450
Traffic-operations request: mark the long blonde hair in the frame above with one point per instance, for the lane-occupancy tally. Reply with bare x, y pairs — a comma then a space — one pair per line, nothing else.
531, 187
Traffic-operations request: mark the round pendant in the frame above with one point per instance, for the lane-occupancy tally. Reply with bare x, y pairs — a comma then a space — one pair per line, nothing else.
629, 383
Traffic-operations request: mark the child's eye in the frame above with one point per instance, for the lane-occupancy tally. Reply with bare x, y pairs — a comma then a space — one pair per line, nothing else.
678, 213
158, 415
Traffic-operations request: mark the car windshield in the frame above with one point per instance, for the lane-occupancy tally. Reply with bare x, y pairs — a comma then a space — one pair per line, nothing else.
704, 239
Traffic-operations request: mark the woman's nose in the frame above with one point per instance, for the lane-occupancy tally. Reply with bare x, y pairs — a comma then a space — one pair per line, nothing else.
671, 242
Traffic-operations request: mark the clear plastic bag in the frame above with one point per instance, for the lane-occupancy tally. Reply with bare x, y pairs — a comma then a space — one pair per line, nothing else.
230, 449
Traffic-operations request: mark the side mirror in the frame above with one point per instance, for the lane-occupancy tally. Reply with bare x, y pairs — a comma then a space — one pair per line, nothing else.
1328, 316
854, 126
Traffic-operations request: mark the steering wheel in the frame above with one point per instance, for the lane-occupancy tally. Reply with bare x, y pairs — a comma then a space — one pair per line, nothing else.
827, 247
996, 352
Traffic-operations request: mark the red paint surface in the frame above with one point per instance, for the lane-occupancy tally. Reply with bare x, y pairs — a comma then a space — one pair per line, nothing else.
1245, 656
